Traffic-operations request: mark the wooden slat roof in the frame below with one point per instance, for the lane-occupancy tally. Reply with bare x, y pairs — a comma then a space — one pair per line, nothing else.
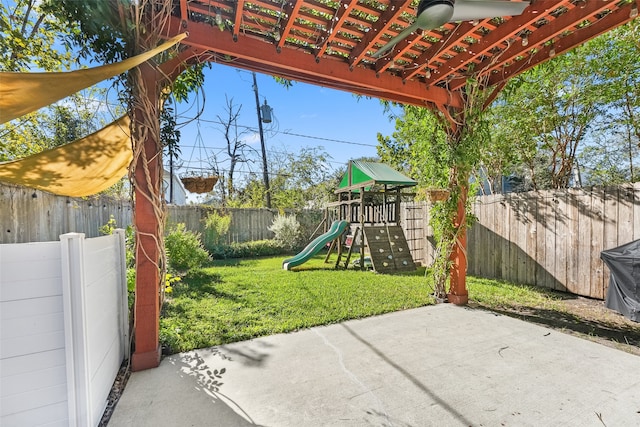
331, 42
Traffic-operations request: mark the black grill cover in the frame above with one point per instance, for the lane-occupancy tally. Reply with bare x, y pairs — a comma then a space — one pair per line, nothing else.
624, 286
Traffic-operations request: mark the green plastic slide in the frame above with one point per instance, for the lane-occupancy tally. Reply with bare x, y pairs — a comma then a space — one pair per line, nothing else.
336, 229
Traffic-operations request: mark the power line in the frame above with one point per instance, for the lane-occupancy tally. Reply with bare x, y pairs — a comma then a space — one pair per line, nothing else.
297, 134
329, 139
272, 151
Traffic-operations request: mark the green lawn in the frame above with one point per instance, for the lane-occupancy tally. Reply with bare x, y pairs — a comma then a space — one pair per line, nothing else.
235, 300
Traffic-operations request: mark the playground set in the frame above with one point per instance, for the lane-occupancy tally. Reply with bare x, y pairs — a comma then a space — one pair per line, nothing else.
365, 220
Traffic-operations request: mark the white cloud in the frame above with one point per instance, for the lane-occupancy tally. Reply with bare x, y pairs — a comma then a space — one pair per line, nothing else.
253, 138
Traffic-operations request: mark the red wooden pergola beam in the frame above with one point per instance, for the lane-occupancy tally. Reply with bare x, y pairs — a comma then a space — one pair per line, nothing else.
540, 36
601, 26
299, 65
486, 43
183, 10
378, 29
464, 29
147, 304
291, 9
341, 14
398, 50
237, 19
318, 81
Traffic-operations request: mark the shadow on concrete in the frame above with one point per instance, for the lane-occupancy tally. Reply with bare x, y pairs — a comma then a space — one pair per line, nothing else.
410, 377
248, 355
209, 380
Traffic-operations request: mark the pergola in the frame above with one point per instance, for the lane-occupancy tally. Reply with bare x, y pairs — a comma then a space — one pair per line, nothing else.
332, 43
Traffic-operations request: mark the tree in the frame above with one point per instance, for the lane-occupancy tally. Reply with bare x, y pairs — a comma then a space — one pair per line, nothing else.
298, 181
30, 41
418, 147
442, 149
617, 132
550, 110
235, 151
301, 180
608, 160
29, 38
586, 101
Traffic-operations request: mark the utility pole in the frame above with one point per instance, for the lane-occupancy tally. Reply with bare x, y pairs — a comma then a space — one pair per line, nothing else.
265, 172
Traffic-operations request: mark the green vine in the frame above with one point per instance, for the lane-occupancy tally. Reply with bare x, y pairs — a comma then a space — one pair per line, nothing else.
441, 149
465, 131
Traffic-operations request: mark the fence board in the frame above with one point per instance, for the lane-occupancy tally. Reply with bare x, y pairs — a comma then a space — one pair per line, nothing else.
625, 212
540, 275
547, 238
584, 242
554, 238
532, 213
488, 243
521, 238
572, 242
597, 242
636, 211
562, 240
611, 212
472, 241
501, 216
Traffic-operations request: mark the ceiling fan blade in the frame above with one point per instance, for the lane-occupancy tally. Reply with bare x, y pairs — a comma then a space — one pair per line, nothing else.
391, 43
467, 10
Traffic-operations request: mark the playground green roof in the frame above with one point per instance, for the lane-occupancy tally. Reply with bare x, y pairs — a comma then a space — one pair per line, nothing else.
360, 174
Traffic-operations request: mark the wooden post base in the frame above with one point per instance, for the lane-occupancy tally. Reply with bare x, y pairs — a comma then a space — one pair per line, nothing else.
458, 299
148, 360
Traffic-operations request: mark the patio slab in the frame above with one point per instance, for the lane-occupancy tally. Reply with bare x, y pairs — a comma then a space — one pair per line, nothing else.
433, 366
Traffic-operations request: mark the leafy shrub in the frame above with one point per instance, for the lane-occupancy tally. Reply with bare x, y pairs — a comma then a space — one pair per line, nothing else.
256, 248
184, 249
216, 228
169, 281
287, 230
108, 228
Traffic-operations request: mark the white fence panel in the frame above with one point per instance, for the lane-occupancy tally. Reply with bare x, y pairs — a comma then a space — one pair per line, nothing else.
32, 355
106, 305
64, 330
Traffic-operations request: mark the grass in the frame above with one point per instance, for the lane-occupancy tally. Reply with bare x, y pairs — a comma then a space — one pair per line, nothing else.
235, 300
498, 294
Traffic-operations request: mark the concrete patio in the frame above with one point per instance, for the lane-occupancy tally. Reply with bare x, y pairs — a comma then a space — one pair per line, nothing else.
434, 366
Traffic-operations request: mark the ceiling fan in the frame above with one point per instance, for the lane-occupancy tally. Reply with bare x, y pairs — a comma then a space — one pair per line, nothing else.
435, 13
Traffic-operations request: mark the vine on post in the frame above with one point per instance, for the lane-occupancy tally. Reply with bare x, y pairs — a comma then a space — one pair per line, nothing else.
466, 130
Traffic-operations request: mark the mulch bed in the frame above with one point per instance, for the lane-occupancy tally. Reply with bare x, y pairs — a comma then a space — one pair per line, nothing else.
583, 317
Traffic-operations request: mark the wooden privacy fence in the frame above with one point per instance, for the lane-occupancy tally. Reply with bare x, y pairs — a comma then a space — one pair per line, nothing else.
28, 215
247, 224
547, 238
553, 238
64, 329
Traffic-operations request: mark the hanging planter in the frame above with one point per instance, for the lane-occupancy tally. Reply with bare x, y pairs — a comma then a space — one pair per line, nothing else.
436, 194
199, 184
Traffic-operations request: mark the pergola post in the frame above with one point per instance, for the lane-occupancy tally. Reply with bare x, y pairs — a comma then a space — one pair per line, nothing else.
458, 277
147, 179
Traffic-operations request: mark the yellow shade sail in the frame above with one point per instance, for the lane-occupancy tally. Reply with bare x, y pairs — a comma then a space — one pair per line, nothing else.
22, 93
81, 168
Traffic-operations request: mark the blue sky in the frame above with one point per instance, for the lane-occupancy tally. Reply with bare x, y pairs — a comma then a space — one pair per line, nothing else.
304, 116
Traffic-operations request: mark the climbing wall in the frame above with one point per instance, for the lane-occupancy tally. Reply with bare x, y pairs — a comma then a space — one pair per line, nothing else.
388, 249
